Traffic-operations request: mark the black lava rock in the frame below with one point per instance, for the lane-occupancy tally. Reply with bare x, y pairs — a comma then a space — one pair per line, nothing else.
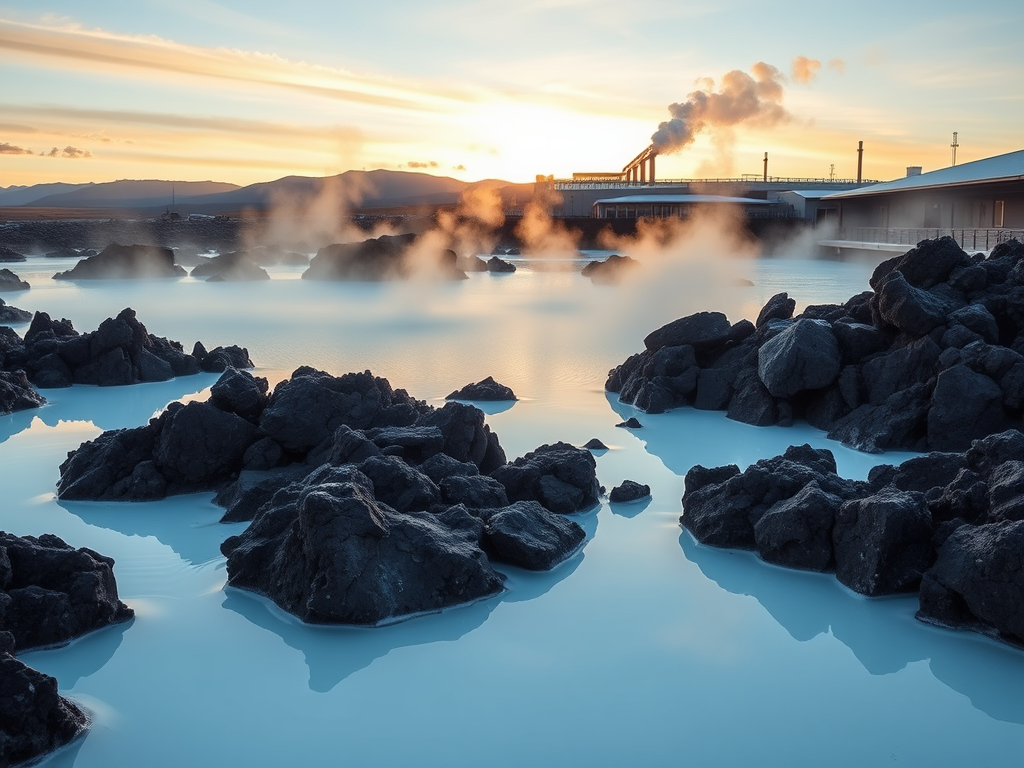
336, 555
560, 476
51, 593
486, 390
11, 282
125, 262
611, 271
529, 536
629, 491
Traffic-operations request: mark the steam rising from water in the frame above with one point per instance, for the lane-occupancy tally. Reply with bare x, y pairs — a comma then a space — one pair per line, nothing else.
540, 233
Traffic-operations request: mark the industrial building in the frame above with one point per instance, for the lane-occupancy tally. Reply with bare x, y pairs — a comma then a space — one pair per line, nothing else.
634, 192
979, 204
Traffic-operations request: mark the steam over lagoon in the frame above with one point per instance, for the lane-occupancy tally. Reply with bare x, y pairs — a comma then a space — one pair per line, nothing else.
643, 649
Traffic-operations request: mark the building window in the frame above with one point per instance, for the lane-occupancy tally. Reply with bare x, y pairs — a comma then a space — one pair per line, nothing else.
997, 213
983, 215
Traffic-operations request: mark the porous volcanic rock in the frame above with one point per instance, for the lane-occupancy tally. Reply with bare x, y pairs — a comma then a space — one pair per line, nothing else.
311, 418
628, 491
121, 351
486, 390
949, 526
529, 536
611, 271
337, 555
11, 282
125, 262
930, 359
51, 593
34, 718
560, 476
16, 394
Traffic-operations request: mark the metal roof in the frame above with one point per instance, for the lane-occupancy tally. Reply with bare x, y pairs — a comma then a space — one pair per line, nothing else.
663, 199
999, 168
810, 194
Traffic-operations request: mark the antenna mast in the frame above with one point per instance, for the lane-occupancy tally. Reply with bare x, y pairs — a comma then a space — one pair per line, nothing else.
953, 146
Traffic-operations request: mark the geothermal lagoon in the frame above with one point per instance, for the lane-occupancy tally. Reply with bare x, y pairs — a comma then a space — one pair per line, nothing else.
643, 649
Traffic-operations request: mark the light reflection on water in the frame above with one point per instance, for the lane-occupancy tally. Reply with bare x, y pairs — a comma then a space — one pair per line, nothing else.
646, 649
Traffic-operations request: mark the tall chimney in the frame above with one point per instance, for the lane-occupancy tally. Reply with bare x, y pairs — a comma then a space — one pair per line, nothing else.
766, 166
860, 161
652, 167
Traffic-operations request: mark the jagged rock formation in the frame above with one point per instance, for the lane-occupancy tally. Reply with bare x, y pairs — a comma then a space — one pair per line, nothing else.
367, 505
495, 264
930, 359
949, 526
50, 593
125, 262
486, 390
121, 351
11, 282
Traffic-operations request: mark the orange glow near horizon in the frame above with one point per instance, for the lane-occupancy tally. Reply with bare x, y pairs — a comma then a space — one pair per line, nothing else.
163, 109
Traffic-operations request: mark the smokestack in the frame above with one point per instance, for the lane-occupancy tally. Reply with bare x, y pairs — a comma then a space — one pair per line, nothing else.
766, 166
652, 167
860, 161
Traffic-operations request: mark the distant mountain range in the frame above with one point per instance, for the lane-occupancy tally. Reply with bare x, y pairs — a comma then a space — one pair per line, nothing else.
361, 189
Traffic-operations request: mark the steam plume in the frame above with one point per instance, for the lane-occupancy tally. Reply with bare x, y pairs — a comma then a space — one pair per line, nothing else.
754, 98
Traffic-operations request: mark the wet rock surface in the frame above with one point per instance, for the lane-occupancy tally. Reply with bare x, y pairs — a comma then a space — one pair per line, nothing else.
486, 390
11, 282
16, 394
500, 266
121, 351
50, 593
34, 718
125, 262
628, 491
949, 526
367, 506
930, 359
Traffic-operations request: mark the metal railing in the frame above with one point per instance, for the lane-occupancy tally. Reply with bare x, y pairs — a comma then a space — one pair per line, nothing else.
568, 184
967, 238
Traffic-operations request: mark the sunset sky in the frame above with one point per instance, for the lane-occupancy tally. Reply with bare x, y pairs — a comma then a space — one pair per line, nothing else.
246, 92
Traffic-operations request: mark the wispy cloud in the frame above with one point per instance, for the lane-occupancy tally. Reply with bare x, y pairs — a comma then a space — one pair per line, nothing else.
143, 55
10, 149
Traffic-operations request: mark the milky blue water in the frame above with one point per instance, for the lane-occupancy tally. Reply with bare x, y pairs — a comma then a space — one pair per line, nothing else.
645, 649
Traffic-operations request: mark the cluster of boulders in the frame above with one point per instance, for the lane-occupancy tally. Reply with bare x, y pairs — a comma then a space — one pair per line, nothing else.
611, 271
388, 257
50, 593
367, 505
233, 266
125, 262
930, 359
121, 351
486, 390
947, 525
11, 282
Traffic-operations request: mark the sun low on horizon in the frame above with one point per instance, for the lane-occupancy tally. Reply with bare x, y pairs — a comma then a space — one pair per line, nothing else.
474, 89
